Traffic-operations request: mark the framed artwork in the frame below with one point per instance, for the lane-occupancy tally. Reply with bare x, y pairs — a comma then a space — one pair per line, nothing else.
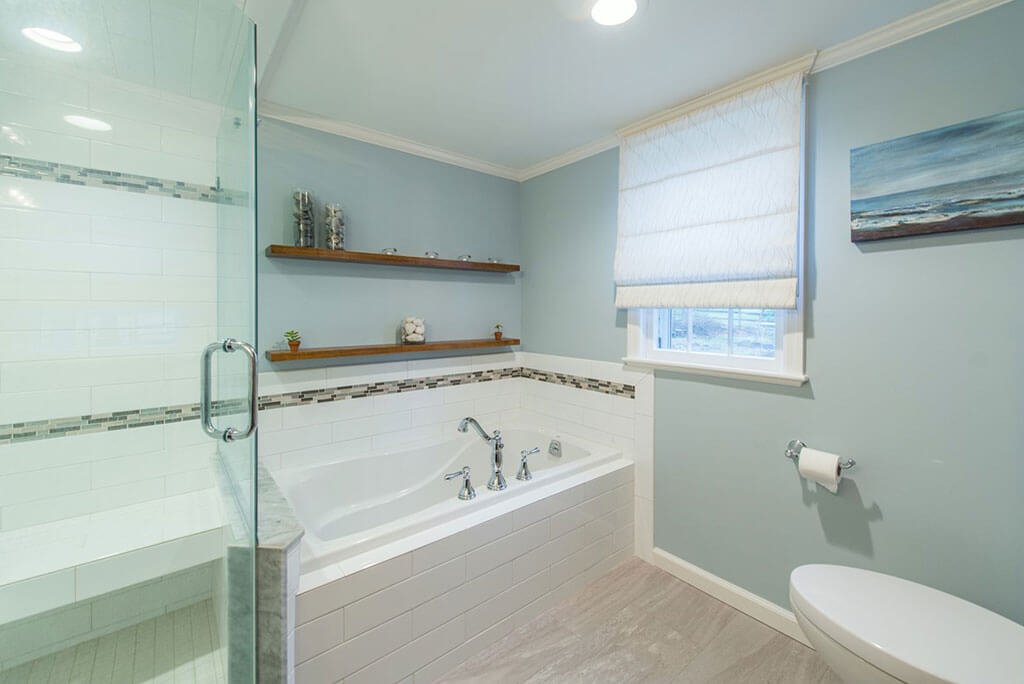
961, 177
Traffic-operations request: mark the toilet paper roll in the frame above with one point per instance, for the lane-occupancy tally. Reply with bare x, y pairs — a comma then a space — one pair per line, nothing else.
821, 467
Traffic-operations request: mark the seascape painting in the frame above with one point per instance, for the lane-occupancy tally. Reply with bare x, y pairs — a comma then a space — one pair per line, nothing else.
961, 177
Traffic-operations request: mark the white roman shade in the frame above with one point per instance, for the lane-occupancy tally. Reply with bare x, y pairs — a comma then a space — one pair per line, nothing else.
709, 203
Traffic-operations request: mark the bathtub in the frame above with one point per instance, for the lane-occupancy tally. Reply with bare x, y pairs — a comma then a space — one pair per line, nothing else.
362, 511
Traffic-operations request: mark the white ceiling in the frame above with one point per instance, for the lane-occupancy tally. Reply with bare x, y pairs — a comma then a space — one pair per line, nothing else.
187, 47
515, 82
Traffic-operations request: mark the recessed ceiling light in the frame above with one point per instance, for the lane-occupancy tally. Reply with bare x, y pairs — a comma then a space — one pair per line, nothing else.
87, 123
613, 12
51, 39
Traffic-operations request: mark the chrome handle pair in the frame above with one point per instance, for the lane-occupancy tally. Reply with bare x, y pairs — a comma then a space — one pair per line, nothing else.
524, 469
206, 391
466, 492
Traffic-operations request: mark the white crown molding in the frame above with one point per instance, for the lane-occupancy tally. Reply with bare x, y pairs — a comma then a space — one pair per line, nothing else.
574, 155
903, 29
273, 110
908, 27
802, 64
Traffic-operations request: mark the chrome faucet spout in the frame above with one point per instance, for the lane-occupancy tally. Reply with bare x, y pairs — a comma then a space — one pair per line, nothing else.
497, 481
468, 421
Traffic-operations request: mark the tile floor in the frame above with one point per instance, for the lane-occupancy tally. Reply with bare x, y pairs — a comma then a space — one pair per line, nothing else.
182, 646
640, 624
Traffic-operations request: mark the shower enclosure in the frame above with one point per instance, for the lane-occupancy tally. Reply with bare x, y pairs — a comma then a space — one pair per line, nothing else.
127, 232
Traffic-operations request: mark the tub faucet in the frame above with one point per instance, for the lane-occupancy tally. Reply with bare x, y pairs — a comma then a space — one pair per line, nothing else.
497, 481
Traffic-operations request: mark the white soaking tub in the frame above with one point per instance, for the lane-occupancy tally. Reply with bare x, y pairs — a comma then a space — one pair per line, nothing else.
361, 511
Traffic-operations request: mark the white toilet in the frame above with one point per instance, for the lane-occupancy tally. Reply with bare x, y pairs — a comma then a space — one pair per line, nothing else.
870, 627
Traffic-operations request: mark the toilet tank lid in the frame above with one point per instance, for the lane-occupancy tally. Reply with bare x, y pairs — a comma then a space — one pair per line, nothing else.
911, 631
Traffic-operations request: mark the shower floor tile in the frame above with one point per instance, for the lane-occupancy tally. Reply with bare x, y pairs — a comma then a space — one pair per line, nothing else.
640, 624
182, 646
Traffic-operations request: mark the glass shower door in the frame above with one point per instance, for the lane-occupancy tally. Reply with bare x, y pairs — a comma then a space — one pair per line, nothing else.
127, 246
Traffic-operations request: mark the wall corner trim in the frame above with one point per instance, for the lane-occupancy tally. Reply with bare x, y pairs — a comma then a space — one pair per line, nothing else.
273, 110
762, 610
571, 157
908, 27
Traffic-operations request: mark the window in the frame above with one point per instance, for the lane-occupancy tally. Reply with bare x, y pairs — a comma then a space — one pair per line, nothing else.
765, 344
708, 251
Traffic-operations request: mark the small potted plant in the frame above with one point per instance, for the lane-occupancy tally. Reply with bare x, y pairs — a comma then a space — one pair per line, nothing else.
497, 331
294, 339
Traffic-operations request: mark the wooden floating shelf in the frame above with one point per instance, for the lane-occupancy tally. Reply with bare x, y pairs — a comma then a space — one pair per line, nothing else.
378, 349
316, 254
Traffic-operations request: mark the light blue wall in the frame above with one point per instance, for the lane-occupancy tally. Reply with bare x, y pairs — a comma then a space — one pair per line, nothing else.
569, 223
391, 199
913, 350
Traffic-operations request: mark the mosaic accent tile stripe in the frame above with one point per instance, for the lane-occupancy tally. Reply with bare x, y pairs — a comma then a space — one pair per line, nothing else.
15, 433
35, 169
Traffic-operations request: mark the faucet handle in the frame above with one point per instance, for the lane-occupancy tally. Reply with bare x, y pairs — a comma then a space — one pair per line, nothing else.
524, 468
466, 492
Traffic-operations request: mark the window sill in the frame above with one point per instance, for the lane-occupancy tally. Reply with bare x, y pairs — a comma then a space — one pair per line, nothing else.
786, 379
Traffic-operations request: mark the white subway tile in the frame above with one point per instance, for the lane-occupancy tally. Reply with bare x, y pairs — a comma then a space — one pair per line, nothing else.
507, 602
136, 341
506, 548
16, 407
22, 141
419, 435
99, 577
30, 78
281, 382
547, 507
461, 542
164, 111
37, 595
42, 511
438, 414
403, 596
37, 345
311, 604
192, 212
326, 453
608, 422
411, 657
189, 144
182, 262
54, 453
77, 199
158, 234
320, 635
118, 287
370, 426
49, 256
31, 224
144, 394
34, 314
541, 558
351, 655
405, 401
474, 644
328, 412
17, 488
292, 439
421, 368
466, 596
497, 360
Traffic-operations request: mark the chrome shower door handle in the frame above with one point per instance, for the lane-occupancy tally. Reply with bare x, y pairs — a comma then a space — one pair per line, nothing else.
206, 393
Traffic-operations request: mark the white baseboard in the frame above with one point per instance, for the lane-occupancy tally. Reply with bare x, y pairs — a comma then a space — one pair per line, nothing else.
762, 610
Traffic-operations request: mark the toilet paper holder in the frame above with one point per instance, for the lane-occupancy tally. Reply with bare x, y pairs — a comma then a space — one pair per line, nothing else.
795, 446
